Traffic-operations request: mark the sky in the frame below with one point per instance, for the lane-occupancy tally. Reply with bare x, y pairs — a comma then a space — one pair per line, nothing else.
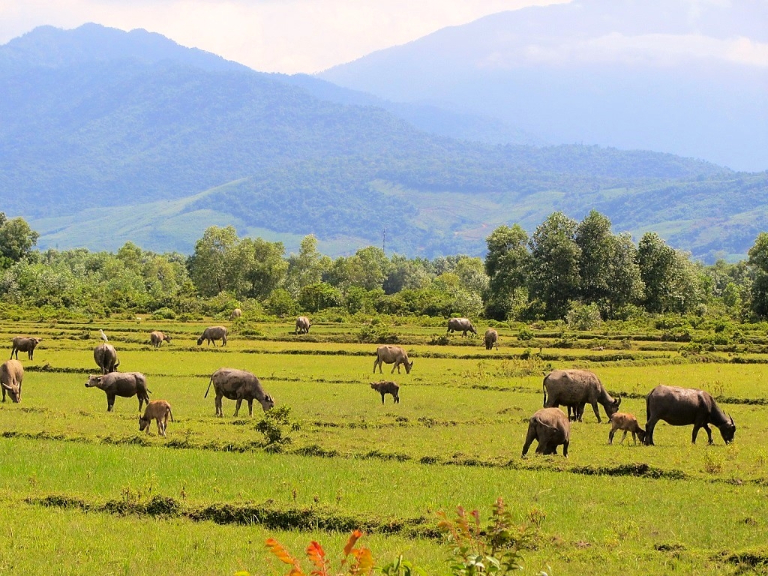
288, 36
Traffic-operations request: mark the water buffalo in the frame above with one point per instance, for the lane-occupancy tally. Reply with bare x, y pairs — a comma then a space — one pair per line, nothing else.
551, 428
238, 385
628, 423
213, 333
158, 410
123, 384
302, 325
21, 344
392, 355
236, 313
11, 375
683, 407
106, 358
385, 387
157, 338
491, 339
575, 388
460, 324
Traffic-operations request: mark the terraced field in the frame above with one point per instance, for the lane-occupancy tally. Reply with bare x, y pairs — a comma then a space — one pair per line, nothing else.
83, 486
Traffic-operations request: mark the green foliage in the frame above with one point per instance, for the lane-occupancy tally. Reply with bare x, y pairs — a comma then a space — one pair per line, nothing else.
164, 314
583, 317
495, 548
275, 425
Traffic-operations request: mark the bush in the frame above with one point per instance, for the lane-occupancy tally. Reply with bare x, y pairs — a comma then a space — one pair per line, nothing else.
583, 317
164, 314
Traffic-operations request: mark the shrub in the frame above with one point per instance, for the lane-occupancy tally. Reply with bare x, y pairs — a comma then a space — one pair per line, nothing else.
164, 314
583, 317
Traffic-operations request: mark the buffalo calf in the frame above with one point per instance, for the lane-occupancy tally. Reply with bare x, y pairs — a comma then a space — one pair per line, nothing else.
387, 387
158, 410
627, 423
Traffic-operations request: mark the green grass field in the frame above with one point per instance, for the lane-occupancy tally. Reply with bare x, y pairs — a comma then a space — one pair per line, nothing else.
85, 487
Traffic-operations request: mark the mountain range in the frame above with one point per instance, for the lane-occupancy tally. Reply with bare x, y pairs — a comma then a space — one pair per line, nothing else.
679, 76
109, 136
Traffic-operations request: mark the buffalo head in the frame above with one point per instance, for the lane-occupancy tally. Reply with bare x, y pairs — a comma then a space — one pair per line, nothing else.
93, 381
728, 430
14, 391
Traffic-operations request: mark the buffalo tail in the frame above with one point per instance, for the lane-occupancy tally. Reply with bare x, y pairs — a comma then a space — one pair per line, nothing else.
207, 389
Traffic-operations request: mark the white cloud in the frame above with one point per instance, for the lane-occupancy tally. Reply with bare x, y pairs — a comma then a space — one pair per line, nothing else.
269, 35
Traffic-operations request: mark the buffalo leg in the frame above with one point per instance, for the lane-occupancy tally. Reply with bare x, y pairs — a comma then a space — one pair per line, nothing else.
250, 406
565, 448
237, 406
110, 402
624, 437
529, 440
382, 397
397, 398
219, 411
610, 436
17, 354
650, 425
375, 363
597, 412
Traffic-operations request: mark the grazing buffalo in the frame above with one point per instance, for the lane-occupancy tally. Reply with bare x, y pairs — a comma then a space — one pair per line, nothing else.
683, 407
385, 387
123, 384
550, 427
213, 333
491, 339
157, 338
460, 324
238, 385
628, 423
302, 325
11, 375
236, 313
106, 358
158, 410
28, 345
392, 355
575, 388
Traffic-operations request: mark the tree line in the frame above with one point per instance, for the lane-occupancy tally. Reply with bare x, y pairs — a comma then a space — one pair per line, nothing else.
565, 269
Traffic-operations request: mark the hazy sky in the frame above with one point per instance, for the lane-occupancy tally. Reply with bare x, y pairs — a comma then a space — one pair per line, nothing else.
268, 35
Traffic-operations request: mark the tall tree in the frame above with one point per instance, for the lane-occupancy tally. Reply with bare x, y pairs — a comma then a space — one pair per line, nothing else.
213, 263
594, 238
506, 264
555, 256
306, 267
671, 281
16, 240
758, 260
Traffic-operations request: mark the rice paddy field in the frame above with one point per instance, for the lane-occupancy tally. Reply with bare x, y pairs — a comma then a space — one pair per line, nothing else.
82, 491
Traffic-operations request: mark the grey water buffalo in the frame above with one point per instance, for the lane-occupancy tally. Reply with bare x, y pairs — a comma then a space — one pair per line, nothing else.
462, 325
386, 387
105, 356
123, 384
302, 325
238, 385
627, 423
392, 355
11, 375
576, 388
23, 344
157, 338
550, 427
236, 313
685, 407
491, 339
213, 333
158, 410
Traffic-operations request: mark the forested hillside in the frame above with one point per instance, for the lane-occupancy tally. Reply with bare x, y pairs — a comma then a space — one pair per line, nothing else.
81, 135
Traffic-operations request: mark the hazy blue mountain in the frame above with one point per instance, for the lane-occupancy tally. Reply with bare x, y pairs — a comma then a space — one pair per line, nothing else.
157, 147
685, 77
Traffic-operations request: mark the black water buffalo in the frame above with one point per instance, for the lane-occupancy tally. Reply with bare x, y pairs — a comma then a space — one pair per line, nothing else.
462, 325
575, 389
213, 333
550, 427
685, 407
386, 387
22, 344
491, 339
105, 356
123, 384
238, 385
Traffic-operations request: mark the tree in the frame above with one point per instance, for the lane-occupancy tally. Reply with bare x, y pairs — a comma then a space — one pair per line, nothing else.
594, 239
213, 262
624, 283
758, 260
262, 268
16, 240
555, 256
671, 281
306, 267
506, 264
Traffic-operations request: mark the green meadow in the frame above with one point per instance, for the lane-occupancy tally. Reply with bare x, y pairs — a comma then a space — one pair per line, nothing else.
82, 491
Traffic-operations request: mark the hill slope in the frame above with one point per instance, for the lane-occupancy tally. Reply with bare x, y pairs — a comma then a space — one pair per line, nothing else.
666, 75
154, 148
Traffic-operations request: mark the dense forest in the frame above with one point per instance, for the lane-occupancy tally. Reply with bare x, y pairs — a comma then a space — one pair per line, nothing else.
580, 272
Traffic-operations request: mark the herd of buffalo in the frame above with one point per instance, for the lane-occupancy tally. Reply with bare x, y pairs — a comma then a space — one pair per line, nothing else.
550, 426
